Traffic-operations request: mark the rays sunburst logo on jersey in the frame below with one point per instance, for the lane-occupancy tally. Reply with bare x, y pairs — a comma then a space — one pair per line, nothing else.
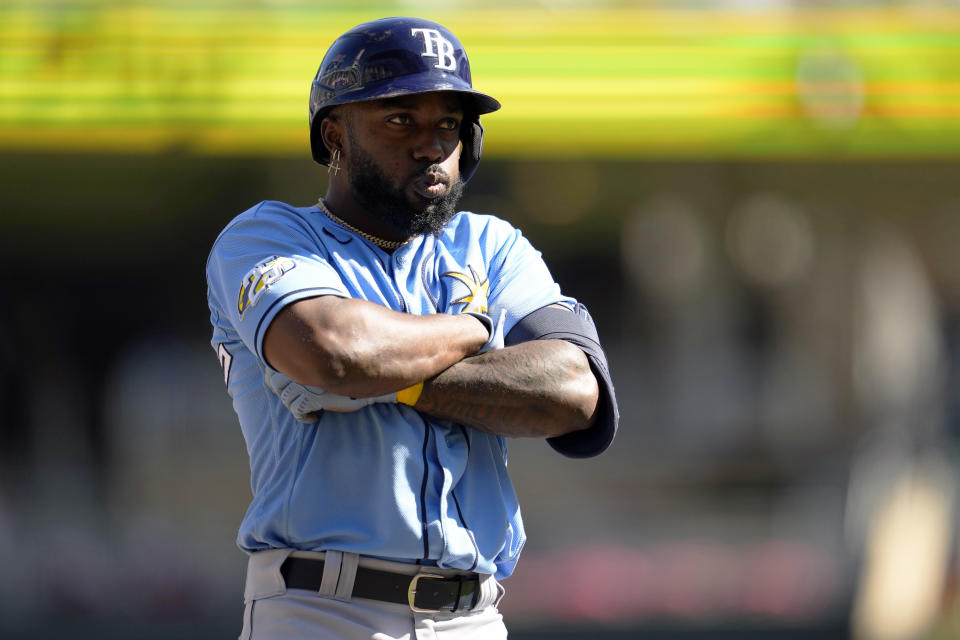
259, 279
476, 298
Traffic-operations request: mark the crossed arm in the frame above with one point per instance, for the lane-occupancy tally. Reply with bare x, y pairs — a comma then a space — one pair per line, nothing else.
542, 388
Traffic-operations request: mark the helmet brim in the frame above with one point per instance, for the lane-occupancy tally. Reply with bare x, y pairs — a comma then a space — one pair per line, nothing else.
419, 83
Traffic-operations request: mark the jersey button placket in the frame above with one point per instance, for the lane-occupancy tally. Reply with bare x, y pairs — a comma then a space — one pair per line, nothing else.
398, 274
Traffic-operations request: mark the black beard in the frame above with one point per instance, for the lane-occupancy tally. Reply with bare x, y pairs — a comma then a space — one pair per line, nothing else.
374, 192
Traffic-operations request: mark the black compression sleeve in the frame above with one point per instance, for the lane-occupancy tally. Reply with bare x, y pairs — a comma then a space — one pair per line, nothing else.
576, 327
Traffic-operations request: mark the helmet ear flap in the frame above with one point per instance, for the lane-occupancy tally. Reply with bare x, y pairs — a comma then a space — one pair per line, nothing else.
472, 149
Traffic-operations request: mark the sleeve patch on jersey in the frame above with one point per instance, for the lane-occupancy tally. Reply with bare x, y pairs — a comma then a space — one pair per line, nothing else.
259, 279
476, 298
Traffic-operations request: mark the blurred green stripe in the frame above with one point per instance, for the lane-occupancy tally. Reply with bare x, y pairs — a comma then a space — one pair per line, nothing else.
632, 81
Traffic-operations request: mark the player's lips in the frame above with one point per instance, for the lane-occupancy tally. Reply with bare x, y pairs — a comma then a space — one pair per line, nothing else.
430, 187
429, 190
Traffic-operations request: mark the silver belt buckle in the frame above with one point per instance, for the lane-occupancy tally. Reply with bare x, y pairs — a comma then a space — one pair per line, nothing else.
412, 591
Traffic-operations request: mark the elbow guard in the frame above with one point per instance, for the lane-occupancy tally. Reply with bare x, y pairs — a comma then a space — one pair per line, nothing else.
576, 327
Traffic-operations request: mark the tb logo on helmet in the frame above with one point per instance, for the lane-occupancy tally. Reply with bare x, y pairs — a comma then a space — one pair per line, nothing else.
436, 46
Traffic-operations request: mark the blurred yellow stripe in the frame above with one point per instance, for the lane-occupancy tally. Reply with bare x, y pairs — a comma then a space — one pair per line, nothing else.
535, 94
736, 137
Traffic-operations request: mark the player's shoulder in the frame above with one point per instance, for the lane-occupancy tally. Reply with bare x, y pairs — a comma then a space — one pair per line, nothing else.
264, 220
467, 224
270, 211
492, 234
266, 214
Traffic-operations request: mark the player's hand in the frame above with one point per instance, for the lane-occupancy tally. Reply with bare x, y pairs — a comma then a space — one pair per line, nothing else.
306, 402
495, 341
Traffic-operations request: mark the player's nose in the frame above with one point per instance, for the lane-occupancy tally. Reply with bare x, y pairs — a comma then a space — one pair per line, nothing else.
428, 146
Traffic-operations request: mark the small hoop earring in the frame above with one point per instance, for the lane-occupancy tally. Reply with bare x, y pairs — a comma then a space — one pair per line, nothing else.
333, 167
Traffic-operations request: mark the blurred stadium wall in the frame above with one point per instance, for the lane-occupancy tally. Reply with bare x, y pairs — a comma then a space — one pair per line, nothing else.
758, 200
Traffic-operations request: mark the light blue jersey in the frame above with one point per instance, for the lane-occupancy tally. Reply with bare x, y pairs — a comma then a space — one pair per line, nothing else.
385, 481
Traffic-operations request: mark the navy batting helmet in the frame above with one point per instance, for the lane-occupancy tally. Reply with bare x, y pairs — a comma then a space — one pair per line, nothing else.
393, 57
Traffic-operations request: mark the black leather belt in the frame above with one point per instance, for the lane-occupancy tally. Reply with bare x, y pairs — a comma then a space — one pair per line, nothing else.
424, 592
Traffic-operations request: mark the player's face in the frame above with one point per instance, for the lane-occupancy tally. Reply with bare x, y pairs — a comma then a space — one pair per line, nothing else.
404, 159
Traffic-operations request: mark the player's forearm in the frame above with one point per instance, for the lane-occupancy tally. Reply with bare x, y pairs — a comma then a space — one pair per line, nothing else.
537, 389
360, 349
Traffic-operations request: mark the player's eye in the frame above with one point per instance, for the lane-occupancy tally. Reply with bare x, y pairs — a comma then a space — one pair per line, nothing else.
399, 118
451, 124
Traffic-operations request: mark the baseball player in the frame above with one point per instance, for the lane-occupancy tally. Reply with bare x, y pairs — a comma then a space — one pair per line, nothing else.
379, 348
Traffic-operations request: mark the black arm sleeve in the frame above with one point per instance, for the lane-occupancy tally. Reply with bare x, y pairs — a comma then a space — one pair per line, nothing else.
577, 328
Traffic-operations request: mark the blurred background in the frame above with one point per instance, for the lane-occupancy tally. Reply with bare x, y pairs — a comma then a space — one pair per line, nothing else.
759, 200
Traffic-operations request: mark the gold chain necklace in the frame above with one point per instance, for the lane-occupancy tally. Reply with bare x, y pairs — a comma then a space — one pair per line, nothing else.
380, 242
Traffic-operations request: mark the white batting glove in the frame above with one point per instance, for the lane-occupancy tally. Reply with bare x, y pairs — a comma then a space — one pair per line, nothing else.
306, 402
495, 341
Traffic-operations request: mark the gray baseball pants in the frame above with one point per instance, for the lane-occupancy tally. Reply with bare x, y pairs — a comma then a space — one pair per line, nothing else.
272, 612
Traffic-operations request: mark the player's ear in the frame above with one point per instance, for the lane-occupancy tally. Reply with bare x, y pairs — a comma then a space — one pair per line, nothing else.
333, 131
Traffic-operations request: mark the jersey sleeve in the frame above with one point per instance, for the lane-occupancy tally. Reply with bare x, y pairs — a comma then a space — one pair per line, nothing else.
265, 259
520, 281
